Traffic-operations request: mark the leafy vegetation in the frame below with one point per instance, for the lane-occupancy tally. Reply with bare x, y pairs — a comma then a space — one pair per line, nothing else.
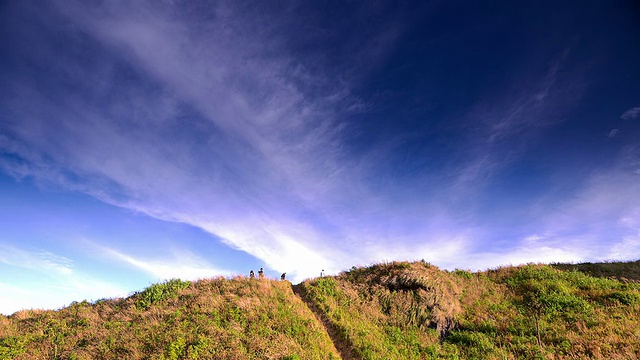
158, 292
396, 310
213, 318
404, 310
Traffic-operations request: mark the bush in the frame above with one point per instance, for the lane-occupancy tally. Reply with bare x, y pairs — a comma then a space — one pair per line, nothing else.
11, 347
158, 292
465, 274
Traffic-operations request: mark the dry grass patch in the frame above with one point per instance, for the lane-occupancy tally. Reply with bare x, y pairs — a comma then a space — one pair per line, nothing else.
210, 318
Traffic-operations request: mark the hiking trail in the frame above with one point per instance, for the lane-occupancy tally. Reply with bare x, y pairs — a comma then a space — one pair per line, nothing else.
344, 347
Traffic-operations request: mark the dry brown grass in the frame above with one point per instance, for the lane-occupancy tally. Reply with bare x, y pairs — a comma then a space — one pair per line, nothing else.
396, 310
211, 318
404, 310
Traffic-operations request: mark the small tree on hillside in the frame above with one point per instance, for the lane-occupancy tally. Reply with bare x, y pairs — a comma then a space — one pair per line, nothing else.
533, 303
542, 293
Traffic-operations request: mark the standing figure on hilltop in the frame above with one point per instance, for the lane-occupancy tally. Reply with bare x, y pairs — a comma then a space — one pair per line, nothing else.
252, 275
322, 273
261, 274
283, 276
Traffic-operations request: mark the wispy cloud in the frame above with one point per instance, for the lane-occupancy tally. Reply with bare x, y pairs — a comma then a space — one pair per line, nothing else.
55, 293
534, 101
596, 223
40, 260
49, 281
600, 221
250, 152
213, 118
630, 244
218, 131
532, 249
633, 113
258, 160
502, 127
183, 264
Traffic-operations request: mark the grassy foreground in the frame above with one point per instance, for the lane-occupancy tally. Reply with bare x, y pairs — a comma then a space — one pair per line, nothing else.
397, 310
404, 310
209, 319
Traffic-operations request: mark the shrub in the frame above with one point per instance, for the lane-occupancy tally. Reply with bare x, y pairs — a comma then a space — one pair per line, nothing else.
11, 347
158, 292
465, 274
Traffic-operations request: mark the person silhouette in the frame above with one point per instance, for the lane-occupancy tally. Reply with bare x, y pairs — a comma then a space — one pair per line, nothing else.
322, 273
283, 276
252, 275
261, 274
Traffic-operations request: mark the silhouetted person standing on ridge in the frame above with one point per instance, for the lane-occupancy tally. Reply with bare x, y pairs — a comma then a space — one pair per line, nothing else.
283, 276
322, 273
261, 274
252, 275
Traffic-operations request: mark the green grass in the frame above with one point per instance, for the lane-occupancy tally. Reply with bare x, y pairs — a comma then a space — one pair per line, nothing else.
397, 310
404, 310
213, 318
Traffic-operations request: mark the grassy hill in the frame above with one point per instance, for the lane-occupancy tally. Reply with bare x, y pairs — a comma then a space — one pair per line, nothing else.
397, 310
208, 319
406, 310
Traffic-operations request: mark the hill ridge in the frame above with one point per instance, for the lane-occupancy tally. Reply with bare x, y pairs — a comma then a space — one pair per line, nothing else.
394, 310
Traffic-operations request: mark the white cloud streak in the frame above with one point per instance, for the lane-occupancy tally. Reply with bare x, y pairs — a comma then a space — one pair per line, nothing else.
183, 265
265, 155
56, 281
41, 261
55, 293
215, 123
601, 222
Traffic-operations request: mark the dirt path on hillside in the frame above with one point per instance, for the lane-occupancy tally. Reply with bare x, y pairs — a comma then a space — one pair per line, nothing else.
343, 347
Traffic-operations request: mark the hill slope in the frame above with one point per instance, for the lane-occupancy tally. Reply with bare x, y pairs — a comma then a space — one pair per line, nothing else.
406, 310
397, 310
213, 318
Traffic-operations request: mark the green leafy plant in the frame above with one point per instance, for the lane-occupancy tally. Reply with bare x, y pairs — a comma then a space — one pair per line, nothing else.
158, 292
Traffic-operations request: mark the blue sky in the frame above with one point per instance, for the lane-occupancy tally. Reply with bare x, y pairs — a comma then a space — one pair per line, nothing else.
160, 139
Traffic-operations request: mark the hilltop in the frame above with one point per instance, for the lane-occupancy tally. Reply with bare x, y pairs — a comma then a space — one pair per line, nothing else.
397, 310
